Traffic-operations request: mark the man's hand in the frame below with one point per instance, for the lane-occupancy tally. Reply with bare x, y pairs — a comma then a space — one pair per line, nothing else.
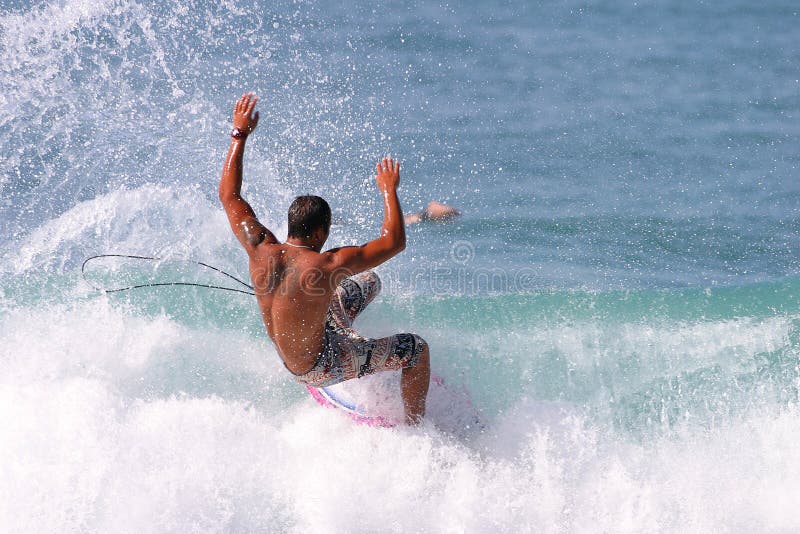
388, 177
392, 240
244, 119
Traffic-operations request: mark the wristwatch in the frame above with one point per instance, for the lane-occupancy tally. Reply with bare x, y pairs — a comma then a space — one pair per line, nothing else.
236, 133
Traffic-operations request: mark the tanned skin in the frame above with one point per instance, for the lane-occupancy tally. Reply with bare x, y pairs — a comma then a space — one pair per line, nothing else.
294, 286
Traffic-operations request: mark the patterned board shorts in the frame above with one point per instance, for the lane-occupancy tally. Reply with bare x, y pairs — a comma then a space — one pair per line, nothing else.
346, 353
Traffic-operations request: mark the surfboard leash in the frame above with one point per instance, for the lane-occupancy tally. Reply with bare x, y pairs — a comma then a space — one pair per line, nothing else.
162, 284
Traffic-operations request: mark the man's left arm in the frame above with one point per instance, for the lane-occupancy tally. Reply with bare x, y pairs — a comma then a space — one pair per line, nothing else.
241, 216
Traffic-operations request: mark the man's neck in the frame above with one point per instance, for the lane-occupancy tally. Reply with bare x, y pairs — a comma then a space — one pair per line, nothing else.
300, 245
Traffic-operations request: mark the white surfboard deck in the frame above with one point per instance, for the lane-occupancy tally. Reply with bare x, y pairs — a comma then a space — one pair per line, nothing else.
375, 400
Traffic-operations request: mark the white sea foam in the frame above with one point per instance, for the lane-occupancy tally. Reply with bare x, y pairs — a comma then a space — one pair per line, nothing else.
94, 440
151, 220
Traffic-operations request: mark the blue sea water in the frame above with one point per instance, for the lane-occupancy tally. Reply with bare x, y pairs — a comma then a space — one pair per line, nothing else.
620, 295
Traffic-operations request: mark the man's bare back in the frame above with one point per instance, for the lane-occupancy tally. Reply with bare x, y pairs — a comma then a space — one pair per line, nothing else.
300, 289
294, 286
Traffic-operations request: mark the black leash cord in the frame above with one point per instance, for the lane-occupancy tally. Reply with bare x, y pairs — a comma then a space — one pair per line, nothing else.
161, 284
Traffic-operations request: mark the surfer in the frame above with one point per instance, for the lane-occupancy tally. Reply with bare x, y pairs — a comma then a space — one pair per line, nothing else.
309, 298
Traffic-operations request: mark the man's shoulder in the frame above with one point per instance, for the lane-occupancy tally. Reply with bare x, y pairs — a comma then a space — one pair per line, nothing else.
264, 250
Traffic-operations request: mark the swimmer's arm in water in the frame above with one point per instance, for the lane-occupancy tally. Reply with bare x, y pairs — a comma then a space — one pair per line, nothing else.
345, 261
434, 212
241, 216
414, 218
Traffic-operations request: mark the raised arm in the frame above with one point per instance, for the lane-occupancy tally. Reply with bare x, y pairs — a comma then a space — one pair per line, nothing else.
241, 216
392, 240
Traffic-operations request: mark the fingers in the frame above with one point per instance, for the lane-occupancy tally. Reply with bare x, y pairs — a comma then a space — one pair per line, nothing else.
388, 164
251, 104
240, 103
245, 103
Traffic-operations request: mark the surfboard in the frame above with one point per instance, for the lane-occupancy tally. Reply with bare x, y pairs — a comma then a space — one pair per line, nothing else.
374, 400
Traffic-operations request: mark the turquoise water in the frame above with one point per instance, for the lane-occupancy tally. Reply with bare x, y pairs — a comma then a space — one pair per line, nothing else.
620, 296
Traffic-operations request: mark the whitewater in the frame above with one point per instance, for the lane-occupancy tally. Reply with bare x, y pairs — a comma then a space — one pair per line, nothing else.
621, 297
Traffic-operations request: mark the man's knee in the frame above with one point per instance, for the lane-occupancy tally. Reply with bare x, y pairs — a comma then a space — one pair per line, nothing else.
421, 343
421, 351
370, 285
372, 278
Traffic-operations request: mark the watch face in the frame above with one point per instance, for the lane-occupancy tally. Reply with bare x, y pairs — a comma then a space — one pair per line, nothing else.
237, 133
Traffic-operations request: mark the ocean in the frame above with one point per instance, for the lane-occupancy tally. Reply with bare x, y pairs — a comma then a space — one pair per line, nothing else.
621, 296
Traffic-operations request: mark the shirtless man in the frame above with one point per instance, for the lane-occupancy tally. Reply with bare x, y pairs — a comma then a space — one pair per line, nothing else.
309, 298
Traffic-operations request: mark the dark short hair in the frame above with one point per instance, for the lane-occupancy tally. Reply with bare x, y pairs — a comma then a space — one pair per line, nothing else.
306, 214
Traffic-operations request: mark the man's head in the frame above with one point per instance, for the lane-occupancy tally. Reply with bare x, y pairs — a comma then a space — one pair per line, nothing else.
310, 218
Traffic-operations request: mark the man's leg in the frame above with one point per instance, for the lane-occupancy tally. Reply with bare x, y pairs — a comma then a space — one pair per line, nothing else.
403, 351
414, 387
409, 354
352, 295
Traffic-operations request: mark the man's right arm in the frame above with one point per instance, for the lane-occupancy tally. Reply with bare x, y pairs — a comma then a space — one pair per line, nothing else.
241, 216
350, 260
